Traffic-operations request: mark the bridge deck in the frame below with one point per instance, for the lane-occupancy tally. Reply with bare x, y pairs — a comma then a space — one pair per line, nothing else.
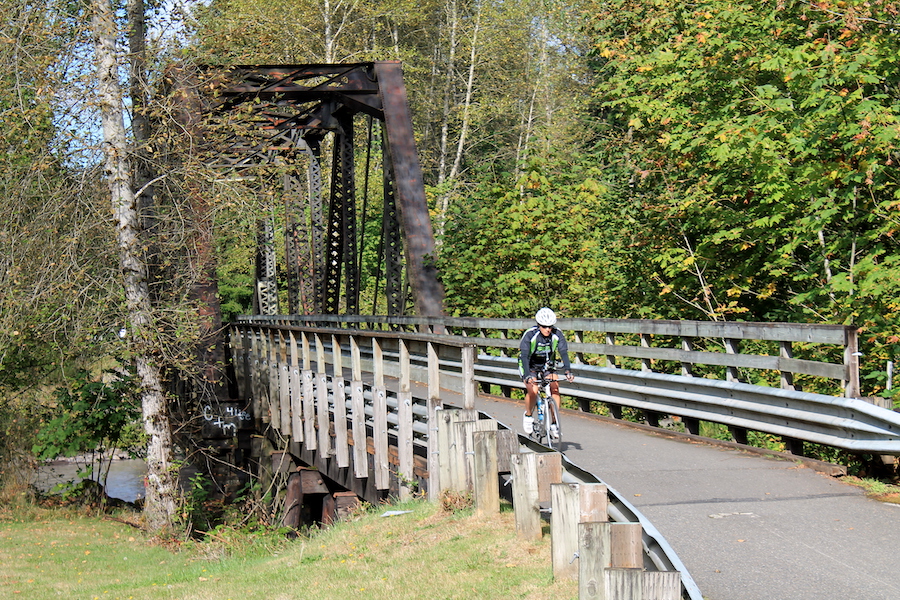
746, 527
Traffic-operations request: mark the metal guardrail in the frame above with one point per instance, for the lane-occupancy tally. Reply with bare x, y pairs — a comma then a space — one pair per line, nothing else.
658, 554
847, 423
843, 422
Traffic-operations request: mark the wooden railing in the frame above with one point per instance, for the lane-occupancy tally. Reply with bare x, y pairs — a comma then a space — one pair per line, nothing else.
776, 354
366, 408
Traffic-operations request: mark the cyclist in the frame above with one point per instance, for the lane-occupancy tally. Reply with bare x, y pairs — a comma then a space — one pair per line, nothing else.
539, 348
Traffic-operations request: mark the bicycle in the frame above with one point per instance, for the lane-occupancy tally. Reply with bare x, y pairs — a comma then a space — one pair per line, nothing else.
547, 412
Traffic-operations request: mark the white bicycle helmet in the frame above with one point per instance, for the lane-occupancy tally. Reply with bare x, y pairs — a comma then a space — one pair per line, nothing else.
545, 317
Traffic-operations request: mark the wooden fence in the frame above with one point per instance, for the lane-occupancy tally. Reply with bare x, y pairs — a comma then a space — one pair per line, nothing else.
347, 404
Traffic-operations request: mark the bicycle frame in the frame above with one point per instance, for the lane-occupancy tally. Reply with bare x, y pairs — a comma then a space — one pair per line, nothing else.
547, 410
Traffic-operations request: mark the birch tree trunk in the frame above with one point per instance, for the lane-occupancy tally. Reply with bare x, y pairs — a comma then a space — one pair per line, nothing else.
159, 507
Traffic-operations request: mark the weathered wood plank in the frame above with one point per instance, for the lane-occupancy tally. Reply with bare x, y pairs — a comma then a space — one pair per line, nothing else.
487, 483
526, 505
564, 515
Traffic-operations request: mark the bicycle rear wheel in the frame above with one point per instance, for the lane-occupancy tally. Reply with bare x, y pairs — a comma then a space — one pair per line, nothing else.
551, 417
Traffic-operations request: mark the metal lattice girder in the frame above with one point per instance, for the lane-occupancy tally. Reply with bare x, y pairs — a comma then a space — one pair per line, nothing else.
304, 232
317, 218
392, 245
340, 249
315, 100
266, 285
297, 247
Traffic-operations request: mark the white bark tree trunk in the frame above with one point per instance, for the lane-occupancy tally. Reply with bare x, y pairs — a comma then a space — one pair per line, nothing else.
159, 506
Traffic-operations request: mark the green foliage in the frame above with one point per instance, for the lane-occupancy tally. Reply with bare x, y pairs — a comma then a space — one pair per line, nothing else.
765, 137
552, 238
91, 415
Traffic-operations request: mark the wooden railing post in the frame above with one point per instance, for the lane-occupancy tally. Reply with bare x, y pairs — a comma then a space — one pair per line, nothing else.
284, 386
433, 406
468, 376
851, 364
572, 505
785, 350
379, 429
341, 447
358, 413
564, 529
611, 358
732, 346
296, 392
405, 424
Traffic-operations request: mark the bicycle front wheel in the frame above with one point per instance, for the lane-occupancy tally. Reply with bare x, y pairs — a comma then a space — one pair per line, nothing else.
553, 441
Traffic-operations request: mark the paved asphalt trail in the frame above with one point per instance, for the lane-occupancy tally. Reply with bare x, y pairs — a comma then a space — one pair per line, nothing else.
746, 527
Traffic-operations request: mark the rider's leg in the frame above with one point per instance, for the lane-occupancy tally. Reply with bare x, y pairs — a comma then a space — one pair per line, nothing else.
530, 402
531, 392
554, 392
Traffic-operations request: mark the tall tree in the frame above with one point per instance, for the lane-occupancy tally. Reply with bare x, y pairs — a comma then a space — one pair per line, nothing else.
764, 137
159, 508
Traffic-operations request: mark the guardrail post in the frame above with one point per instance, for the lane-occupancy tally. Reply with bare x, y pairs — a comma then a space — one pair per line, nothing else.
564, 517
465, 450
661, 585
605, 551
624, 584
571, 506
646, 363
526, 505
274, 410
739, 434
284, 391
793, 445
309, 410
380, 434
549, 465
687, 345
593, 559
264, 377
487, 483
445, 420
611, 358
786, 350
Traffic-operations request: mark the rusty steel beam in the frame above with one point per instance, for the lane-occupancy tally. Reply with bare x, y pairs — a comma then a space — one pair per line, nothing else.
288, 104
410, 190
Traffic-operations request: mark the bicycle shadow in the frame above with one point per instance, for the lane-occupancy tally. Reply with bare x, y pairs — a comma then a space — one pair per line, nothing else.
564, 445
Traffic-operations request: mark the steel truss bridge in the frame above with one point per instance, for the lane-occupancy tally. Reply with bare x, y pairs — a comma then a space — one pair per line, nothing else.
358, 397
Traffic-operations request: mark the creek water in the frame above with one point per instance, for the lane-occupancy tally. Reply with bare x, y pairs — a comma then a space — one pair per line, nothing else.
125, 480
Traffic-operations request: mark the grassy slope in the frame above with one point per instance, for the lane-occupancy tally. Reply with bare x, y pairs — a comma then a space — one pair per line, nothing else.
424, 554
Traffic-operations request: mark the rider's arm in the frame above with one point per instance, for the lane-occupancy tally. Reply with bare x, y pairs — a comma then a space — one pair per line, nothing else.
562, 349
525, 355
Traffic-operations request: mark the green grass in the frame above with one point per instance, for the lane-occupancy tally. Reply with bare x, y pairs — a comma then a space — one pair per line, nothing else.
876, 489
427, 553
